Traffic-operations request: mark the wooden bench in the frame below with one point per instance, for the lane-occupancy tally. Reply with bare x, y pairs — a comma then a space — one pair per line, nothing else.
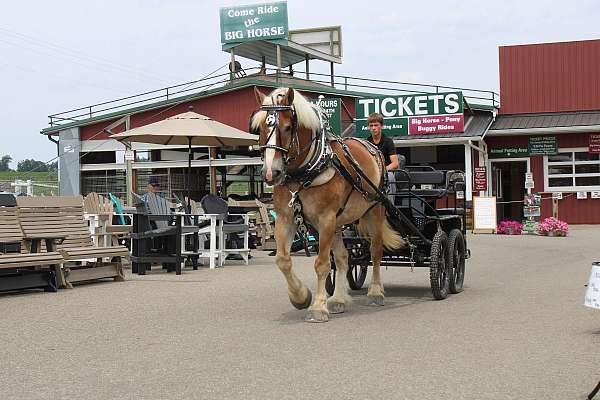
23, 271
59, 222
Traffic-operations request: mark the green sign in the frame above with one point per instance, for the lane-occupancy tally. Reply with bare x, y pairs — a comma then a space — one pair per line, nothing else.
508, 152
263, 21
421, 114
542, 145
332, 107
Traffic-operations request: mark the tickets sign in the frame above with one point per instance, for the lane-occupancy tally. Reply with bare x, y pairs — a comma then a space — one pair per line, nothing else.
422, 114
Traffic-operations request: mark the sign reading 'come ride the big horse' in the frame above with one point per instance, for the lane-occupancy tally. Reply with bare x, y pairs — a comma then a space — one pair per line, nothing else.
264, 21
422, 114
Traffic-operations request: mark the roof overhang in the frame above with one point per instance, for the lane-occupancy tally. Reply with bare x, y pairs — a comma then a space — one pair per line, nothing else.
538, 131
291, 52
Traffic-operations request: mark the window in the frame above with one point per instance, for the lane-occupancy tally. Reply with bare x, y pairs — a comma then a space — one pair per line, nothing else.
572, 170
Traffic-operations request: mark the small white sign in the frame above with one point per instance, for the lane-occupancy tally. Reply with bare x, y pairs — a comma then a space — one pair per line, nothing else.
484, 213
595, 195
592, 295
426, 187
581, 195
529, 185
129, 155
68, 149
529, 176
557, 195
460, 195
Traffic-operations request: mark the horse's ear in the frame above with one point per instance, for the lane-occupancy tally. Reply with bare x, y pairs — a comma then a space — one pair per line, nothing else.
259, 96
290, 96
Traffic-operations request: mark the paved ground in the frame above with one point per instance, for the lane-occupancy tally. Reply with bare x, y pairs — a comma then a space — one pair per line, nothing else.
518, 331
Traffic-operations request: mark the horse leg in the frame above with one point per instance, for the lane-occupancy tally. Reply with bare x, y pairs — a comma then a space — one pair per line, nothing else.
318, 311
300, 296
337, 303
375, 295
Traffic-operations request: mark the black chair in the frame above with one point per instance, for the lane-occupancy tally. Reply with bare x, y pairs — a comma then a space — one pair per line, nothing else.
157, 235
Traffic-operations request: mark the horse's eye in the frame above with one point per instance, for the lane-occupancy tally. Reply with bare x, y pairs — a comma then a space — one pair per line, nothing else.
287, 128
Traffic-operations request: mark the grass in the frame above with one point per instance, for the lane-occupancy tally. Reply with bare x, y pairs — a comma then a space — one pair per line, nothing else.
34, 176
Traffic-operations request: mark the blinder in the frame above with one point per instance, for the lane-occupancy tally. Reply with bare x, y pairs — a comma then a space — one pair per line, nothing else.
272, 121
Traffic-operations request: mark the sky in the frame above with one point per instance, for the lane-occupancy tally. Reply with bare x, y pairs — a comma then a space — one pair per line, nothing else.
59, 55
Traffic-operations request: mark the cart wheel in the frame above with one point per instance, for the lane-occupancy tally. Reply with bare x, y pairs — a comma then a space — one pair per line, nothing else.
438, 268
356, 276
456, 260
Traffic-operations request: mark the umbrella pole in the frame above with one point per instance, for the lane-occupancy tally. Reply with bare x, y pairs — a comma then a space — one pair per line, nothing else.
189, 174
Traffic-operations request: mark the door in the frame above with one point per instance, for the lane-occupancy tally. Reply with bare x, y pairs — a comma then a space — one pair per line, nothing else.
508, 185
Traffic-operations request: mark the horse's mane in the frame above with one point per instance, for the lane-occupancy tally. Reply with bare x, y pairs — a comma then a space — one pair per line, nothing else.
305, 111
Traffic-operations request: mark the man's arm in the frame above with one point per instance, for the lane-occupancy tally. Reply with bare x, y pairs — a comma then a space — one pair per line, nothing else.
394, 164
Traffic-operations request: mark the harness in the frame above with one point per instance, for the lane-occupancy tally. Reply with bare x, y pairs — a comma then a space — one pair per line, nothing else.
322, 158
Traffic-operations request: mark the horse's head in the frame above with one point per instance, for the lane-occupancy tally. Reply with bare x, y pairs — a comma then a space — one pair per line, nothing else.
286, 121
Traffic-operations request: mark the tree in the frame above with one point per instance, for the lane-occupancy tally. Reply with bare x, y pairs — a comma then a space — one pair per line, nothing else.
32, 165
4, 163
53, 167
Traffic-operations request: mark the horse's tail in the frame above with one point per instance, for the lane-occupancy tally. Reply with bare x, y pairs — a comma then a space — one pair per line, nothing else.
390, 238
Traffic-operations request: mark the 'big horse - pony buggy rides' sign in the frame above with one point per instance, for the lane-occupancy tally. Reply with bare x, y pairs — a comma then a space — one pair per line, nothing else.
338, 186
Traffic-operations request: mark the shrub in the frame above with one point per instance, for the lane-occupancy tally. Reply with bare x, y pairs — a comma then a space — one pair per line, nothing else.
509, 227
553, 227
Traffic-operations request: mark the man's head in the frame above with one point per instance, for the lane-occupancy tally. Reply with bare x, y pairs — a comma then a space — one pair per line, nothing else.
375, 123
153, 185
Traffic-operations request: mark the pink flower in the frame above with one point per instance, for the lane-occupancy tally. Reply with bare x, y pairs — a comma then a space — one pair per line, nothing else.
508, 227
554, 226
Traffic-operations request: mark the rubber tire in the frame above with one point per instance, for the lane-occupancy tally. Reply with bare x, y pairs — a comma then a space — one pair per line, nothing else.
356, 277
456, 258
439, 267
355, 284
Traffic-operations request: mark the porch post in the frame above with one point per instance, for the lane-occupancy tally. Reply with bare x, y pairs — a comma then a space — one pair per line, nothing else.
468, 173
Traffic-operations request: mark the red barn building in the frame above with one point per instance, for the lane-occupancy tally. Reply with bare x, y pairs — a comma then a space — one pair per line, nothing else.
548, 125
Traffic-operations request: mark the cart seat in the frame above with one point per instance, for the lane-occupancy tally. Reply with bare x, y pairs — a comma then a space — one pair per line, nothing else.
451, 211
421, 177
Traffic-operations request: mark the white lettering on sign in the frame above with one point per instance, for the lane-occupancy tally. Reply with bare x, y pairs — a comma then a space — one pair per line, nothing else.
384, 109
240, 13
264, 32
421, 105
234, 35
426, 104
452, 103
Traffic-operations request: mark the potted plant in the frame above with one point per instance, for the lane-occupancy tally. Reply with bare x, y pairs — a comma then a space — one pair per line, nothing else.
553, 227
508, 227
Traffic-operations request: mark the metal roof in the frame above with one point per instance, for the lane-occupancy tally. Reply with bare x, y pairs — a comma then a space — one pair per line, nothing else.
546, 120
291, 52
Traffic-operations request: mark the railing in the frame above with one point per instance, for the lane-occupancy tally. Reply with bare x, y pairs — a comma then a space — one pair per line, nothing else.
340, 82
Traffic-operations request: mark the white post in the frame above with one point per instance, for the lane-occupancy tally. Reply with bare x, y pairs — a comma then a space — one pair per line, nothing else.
468, 173
17, 186
29, 188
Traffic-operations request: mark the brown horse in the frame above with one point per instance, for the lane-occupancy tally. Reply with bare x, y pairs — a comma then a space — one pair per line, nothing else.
298, 160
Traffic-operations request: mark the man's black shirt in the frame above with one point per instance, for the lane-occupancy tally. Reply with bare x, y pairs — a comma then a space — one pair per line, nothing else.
386, 146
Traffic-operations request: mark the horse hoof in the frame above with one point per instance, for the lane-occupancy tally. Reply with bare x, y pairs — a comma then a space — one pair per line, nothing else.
316, 316
336, 308
375, 301
306, 304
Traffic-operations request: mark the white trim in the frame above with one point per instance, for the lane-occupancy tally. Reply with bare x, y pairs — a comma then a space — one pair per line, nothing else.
173, 164
90, 146
436, 141
569, 189
535, 131
468, 173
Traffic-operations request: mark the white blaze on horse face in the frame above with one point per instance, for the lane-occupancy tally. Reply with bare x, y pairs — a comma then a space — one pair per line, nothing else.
269, 157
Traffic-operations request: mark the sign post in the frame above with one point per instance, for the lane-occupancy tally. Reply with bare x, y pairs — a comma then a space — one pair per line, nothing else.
425, 114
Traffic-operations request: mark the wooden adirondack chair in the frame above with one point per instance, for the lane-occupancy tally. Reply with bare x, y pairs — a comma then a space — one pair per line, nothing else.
99, 212
23, 270
267, 231
59, 221
158, 235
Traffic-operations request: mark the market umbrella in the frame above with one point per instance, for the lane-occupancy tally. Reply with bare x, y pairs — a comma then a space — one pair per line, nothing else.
188, 128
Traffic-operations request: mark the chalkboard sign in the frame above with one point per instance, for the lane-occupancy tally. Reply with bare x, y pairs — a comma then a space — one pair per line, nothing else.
542, 145
484, 214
